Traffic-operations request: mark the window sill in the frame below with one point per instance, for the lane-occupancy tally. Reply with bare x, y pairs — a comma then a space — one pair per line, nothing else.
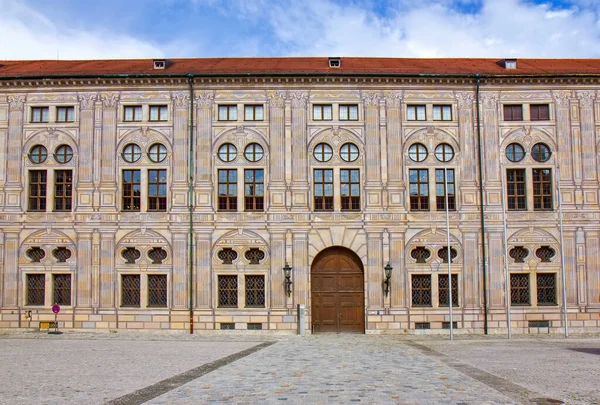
227, 307
422, 306
520, 305
547, 305
130, 306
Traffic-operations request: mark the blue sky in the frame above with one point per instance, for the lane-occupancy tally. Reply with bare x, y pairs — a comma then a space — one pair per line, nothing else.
41, 29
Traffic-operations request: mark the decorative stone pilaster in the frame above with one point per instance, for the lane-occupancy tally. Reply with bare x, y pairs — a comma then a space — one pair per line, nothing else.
108, 275
496, 277
563, 134
11, 270
580, 258
180, 161
300, 185
277, 150
300, 267
587, 99
491, 148
203, 149
13, 187
399, 289
373, 185
374, 270
203, 269
84, 270
468, 150
592, 242
179, 292
85, 169
470, 273
395, 185
108, 178
278, 295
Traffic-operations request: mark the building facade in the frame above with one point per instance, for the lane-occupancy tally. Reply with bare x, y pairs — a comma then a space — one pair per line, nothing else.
139, 196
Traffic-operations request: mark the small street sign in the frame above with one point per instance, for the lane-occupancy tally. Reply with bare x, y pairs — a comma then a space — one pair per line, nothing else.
56, 308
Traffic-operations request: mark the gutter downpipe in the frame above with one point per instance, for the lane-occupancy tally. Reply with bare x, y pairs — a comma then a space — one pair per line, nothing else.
481, 208
191, 202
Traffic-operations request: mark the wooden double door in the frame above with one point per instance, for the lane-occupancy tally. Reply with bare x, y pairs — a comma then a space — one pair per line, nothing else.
337, 292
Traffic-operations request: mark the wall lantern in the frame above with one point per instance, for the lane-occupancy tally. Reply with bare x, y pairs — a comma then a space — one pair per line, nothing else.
388, 276
287, 270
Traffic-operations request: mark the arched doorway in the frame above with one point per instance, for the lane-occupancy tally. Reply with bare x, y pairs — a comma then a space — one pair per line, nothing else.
337, 292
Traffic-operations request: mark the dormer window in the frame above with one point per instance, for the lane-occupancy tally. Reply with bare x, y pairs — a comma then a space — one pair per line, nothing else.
510, 63
335, 62
159, 64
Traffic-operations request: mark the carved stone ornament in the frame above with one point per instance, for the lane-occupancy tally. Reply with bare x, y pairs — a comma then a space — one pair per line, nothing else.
16, 102
204, 99
586, 98
276, 98
299, 98
370, 98
465, 99
180, 99
110, 100
489, 100
561, 98
393, 99
87, 100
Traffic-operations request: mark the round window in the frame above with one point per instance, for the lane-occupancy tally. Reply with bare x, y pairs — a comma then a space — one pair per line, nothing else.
323, 152
38, 154
132, 153
349, 152
540, 152
227, 152
417, 152
157, 152
444, 152
515, 152
254, 152
63, 154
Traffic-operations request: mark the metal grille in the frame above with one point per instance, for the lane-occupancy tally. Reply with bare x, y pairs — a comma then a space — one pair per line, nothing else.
421, 290
131, 255
36, 288
254, 255
546, 289
227, 326
545, 253
519, 289
157, 255
62, 289
422, 325
539, 324
443, 254
62, 254
446, 325
255, 291
518, 253
443, 290
228, 290
130, 291
36, 254
157, 290
255, 326
420, 254
227, 255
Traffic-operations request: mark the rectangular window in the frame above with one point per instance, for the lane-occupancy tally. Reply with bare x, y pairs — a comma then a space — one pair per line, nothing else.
255, 291
539, 112
349, 112
443, 292
323, 183
322, 112
133, 113
157, 290
421, 290
440, 190
542, 189
513, 112
350, 189
158, 113
227, 113
419, 189
157, 190
63, 190
442, 113
227, 190
515, 189
546, 289
65, 114
37, 190
62, 289
228, 289
253, 113
131, 190
39, 114
36, 289
254, 189
415, 113
519, 289
130, 290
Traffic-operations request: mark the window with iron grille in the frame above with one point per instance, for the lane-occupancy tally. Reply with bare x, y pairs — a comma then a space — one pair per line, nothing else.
130, 290
443, 290
419, 189
228, 290
157, 190
63, 190
131, 190
349, 112
515, 189
62, 289
442, 113
254, 255
446, 325
37, 190
253, 113
443, 254
546, 288
545, 254
157, 290
254, 189
61, 254
539, 324
130, 255
65, 114
415, 113
323, 184
157, 255
132, 113
159, 113
39, 114
227, 113
440, 190
36, 254
227, 255
422, 325
539, 112
255, 326
36, 289
518, 253
513, 112
255, 291
420, 254
227, 190
227, 326
350, 189
519, 289
542, 189
322, 112
421, 290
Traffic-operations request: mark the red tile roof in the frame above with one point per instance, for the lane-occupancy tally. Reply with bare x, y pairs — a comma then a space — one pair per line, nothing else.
299, 66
